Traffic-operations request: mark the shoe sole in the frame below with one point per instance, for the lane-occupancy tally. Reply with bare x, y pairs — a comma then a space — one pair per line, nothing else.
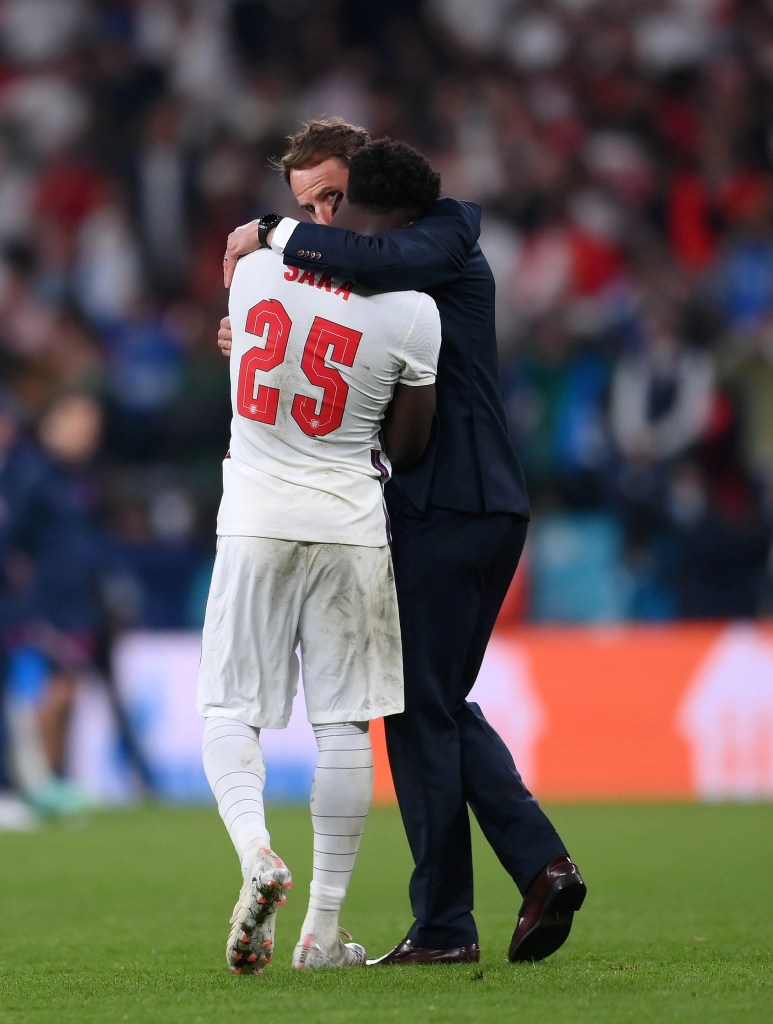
552, 929
251, 950
424, 958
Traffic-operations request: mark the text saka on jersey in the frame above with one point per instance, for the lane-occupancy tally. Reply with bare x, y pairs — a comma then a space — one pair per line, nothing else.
316, 280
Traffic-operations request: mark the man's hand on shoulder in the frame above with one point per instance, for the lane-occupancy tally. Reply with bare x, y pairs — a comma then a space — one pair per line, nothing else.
242, 240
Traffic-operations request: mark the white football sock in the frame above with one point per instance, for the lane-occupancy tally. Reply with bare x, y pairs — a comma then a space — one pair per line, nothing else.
340, 800
236, 772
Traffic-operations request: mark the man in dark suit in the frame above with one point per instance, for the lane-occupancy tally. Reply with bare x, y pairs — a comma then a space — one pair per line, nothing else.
459, 522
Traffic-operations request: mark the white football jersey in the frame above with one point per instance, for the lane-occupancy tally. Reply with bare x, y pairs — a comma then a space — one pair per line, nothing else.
314, 365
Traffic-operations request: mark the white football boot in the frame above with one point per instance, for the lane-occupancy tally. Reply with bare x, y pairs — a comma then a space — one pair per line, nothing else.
251, 941
309, 954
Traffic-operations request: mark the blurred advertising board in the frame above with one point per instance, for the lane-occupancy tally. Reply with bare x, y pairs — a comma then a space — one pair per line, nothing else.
608, 713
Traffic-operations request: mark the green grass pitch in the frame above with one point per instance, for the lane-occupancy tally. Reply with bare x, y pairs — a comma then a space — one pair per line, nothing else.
124, 915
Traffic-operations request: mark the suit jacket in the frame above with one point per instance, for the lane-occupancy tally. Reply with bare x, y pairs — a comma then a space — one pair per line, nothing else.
470, 464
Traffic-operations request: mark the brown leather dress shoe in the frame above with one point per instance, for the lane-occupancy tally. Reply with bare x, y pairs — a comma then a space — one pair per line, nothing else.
545, 917
407, 953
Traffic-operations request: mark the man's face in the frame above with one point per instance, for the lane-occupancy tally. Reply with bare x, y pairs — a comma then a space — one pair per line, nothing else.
320, 189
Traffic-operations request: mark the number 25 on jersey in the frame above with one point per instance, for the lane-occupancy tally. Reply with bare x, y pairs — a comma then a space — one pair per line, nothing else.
326, 343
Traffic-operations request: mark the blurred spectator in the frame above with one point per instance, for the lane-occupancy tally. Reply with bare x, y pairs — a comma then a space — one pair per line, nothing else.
161, 181
144, 360
57, 627
743, 275
660, 401
660, 405
162, 568
15, 813
746, 366
718, 554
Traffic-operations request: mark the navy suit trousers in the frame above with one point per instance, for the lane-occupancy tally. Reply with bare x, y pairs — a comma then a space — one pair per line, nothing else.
452, 571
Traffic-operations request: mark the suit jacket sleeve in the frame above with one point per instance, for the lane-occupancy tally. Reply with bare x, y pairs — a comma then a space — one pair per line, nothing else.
431, 252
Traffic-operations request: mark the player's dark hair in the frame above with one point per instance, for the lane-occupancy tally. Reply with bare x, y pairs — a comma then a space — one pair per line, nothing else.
319, 140
388, 176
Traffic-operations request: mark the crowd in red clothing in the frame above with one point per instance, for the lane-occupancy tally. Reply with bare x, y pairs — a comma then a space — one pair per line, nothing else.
622, 154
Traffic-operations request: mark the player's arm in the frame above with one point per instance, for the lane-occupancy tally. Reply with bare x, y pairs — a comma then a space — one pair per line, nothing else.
408, 423
431, 252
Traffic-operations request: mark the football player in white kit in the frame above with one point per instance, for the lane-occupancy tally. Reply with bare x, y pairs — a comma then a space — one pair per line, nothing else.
303, 559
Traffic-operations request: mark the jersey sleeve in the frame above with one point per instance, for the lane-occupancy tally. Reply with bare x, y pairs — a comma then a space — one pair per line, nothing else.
422, 345
282, 233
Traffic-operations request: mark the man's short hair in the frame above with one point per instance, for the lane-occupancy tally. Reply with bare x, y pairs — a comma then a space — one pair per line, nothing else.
388, 176
320, 140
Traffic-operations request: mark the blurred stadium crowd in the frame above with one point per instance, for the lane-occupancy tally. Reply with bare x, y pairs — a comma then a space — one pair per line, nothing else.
622, 151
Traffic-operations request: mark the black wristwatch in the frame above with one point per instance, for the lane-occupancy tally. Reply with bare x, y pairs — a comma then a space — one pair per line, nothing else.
267, 223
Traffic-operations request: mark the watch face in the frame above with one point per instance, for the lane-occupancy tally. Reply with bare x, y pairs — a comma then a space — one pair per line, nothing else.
265, 224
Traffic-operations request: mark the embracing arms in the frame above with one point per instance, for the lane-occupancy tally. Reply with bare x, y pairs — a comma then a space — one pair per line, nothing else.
408, 424
431, 252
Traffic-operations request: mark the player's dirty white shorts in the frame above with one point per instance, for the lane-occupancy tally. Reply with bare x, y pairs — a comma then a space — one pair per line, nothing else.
337, 600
